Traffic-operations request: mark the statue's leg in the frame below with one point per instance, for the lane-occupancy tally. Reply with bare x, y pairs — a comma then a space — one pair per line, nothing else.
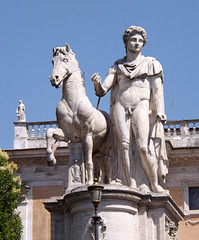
141, 127
58, 135
123, 132
88, 150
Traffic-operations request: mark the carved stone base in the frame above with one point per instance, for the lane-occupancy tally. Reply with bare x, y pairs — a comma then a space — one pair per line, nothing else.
21, 136
76, 174
125, 214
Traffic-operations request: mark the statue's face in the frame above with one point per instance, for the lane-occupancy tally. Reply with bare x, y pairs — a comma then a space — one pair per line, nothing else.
135, 43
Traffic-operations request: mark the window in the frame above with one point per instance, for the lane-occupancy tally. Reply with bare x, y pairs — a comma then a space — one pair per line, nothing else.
193, 198
190, 197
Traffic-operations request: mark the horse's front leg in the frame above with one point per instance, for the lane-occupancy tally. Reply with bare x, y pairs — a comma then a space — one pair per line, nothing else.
88, 151
58, 135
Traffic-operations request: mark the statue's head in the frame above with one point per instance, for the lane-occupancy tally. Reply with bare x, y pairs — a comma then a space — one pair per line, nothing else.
132, 30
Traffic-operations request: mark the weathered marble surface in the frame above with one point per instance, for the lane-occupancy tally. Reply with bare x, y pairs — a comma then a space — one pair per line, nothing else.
138, 154
137, 114
78, 121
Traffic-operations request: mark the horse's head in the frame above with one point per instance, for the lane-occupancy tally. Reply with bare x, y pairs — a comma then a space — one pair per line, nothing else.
64, 64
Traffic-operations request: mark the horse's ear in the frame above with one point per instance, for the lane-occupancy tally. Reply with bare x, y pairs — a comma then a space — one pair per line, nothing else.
54, 50
67, 47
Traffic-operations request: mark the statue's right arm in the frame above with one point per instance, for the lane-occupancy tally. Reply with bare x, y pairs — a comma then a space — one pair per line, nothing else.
102, 88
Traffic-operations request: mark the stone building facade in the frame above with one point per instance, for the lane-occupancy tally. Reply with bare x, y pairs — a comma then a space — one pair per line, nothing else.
44, 182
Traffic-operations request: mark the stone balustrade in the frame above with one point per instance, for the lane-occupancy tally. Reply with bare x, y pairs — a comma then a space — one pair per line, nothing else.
39, 129
182, 128
33, 134
172, 128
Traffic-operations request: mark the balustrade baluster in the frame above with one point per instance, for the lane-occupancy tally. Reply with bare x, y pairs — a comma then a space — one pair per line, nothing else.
196, 125
28, 131
188, 130
194, 129
169, 131
33, 131
174, 130
38, 131
45, 130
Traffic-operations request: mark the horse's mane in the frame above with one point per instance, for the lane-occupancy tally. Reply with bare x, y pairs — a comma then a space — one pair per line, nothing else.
62, 50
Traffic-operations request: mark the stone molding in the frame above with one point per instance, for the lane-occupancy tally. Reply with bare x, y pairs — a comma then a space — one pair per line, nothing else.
37, 156
153, 216
182, 156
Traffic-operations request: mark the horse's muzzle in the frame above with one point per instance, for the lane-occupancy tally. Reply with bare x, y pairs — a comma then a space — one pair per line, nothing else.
52, 80
57, 83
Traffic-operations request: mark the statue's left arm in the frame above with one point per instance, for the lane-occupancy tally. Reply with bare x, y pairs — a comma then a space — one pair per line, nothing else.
158, 98
158, 93
158, 102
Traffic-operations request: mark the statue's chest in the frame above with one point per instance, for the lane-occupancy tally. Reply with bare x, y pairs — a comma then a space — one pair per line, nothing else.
133, 84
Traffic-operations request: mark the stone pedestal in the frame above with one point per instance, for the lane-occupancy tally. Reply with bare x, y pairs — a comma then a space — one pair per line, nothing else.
76, 174
126, 214
21, 136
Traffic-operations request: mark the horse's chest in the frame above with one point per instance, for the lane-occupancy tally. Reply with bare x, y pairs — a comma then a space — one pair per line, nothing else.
75, 118
82, 118
75, 128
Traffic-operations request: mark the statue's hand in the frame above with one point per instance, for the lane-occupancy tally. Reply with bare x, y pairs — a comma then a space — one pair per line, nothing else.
162, 117
96, 78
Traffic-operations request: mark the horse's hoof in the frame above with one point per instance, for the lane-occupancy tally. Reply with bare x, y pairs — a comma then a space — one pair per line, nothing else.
50, 159
51, 163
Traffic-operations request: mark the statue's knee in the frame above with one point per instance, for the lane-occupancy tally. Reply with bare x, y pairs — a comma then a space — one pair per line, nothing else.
125, 145
89, 165
143, 148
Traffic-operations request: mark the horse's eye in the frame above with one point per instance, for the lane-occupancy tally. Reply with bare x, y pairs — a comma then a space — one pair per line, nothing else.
52, 62
65, 60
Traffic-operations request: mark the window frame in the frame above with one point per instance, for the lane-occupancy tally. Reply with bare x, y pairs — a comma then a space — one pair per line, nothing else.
186, 186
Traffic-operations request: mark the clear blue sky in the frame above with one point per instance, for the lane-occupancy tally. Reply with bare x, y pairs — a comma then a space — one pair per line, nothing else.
93, 29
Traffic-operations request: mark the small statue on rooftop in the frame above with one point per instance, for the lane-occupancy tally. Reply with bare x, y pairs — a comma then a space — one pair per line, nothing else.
21, 112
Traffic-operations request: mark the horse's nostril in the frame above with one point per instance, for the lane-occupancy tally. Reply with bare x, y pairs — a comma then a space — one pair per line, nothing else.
56, 77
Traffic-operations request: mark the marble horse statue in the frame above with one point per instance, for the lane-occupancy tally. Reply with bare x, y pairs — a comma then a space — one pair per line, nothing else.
78, 120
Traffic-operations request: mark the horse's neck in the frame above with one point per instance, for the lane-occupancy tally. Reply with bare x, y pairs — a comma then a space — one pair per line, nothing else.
76, 78
73, 86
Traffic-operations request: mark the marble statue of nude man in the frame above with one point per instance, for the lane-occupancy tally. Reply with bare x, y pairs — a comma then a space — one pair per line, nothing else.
138, 94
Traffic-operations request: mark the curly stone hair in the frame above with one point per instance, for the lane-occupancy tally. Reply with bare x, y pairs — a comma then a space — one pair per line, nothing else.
134, 30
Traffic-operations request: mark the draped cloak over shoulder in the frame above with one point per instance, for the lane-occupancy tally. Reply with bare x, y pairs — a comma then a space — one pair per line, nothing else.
146, 67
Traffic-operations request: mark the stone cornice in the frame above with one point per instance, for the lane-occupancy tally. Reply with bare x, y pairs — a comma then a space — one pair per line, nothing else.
182, 156
178, 156
37, 156
148, 200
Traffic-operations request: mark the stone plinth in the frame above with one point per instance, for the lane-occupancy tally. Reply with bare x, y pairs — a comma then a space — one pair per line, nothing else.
21, 135
127, 214
76, 173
